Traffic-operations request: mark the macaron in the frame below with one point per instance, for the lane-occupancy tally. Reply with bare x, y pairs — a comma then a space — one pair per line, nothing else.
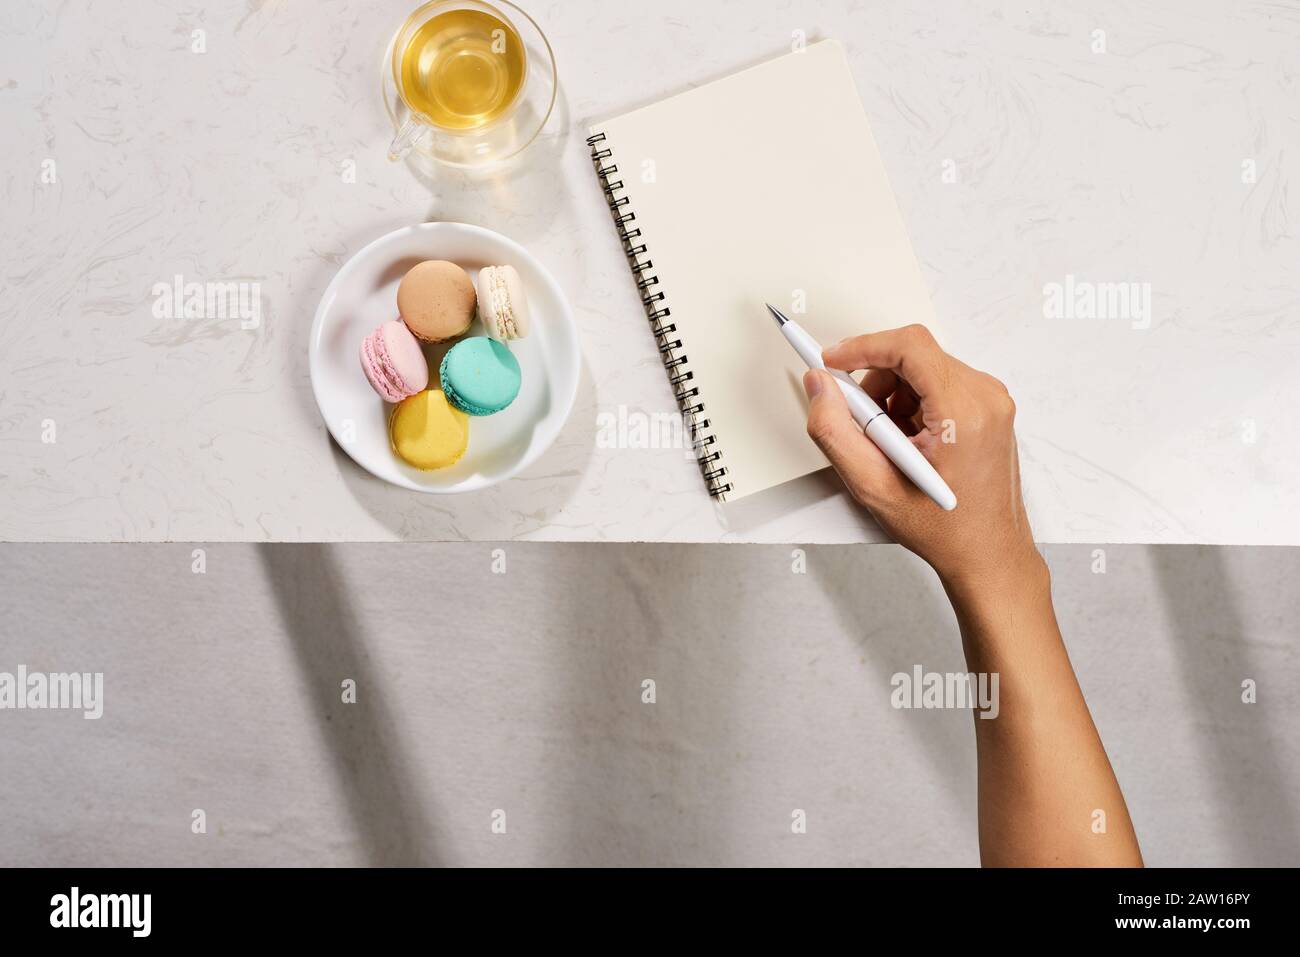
394, 362
436, 300
427, 432
502, 303
479, 376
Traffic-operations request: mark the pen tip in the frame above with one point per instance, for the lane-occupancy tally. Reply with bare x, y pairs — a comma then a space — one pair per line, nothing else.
776, 314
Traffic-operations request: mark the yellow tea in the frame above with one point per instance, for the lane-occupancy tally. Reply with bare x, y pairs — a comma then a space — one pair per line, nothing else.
463, 69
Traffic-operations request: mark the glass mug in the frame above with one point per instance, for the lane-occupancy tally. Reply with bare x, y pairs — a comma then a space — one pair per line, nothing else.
475, 82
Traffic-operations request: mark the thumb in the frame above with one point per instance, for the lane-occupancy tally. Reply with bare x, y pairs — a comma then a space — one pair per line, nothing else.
830, 424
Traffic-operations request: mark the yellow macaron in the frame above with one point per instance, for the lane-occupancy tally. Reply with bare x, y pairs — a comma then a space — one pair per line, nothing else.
427, 432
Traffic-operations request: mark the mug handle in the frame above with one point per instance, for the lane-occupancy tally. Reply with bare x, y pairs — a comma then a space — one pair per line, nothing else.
411, 130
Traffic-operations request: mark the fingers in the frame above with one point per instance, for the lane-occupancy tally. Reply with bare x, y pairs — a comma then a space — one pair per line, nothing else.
903, 404
879, 384
894, 396
830, 424
910, 352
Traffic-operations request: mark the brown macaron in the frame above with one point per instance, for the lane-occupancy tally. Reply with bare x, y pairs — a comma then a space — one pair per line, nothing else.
436, 300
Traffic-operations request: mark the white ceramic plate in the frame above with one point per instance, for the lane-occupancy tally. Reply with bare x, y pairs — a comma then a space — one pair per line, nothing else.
364, 293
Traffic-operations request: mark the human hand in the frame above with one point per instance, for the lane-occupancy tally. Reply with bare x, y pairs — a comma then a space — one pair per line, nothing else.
961, 420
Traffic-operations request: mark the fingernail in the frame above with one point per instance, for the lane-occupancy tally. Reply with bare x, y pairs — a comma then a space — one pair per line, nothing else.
812, 384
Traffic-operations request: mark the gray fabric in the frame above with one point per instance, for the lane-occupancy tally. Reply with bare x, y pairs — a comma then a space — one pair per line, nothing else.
522, 691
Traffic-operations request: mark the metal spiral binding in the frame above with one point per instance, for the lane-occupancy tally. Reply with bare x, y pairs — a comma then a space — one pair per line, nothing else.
658, 312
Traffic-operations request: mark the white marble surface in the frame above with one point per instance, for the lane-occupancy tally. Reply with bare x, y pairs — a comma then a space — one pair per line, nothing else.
228, 166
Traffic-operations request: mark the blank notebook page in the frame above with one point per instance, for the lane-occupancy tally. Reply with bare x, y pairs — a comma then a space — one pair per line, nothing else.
766, 186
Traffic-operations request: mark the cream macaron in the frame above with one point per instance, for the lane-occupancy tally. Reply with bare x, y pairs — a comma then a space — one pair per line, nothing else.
502, 303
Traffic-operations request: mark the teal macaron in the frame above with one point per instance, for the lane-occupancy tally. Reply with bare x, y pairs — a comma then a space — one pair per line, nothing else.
479, 376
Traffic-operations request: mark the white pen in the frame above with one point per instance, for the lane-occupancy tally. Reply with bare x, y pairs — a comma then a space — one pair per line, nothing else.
880, 428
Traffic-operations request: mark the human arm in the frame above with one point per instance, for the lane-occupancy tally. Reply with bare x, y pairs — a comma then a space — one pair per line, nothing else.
1043, 772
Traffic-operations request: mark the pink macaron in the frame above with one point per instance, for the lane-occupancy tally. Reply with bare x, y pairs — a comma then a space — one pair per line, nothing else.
394, 363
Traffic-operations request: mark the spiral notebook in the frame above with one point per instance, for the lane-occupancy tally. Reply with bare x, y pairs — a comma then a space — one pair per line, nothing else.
765, 186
